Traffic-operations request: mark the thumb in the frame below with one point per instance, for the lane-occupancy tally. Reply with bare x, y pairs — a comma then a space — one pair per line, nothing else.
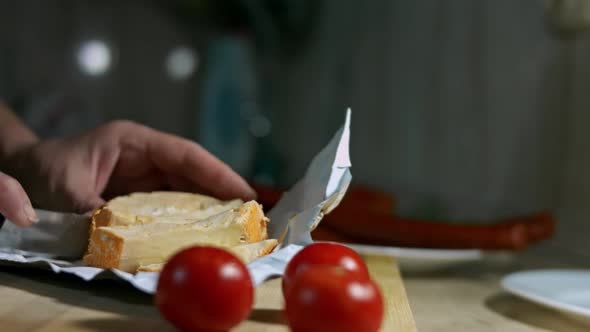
15, 205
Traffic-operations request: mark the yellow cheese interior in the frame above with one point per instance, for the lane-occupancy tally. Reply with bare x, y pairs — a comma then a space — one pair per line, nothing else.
172, 206
156, 242
245, 252
251, 251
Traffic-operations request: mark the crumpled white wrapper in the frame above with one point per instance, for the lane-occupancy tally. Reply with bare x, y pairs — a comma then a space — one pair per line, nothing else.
292, 219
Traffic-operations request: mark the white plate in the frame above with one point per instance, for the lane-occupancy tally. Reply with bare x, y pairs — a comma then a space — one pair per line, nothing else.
417, 259
565, 290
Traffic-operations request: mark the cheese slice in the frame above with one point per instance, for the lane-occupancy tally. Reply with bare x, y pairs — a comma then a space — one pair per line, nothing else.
172, 207
128, 247
245, 252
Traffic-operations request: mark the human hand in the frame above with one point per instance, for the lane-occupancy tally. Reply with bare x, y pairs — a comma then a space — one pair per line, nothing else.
14, 202
78, 173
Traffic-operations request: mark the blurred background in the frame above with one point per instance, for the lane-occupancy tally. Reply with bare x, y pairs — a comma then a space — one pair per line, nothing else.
465, 110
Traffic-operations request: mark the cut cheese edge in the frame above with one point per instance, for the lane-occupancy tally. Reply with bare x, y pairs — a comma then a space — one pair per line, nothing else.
246, 253
128, 247
172, 207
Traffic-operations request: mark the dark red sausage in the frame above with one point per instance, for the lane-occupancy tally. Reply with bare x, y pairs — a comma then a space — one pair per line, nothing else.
394, 231
358, 196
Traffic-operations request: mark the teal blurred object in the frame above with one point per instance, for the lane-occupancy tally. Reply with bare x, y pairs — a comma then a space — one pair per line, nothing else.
234, 117
232, 124
228, 102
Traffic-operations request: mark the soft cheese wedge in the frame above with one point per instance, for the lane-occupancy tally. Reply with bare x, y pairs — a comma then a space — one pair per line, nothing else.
128, 247
172, 207
245, 252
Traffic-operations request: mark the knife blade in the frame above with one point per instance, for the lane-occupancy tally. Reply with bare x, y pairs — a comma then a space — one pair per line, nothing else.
57, 234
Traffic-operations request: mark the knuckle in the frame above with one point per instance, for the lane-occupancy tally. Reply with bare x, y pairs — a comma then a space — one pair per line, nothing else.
119, 126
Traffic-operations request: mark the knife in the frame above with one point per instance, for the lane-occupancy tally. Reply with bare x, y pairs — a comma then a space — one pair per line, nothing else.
56, 234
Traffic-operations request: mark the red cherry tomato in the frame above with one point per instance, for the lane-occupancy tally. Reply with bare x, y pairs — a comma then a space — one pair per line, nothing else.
204, 289
324, 253
327, 298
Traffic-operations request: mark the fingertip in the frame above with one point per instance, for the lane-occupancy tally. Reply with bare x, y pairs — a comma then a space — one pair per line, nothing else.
89, 205
29, 213
19, 221
14, 202
250, 194
242, 189
238, 190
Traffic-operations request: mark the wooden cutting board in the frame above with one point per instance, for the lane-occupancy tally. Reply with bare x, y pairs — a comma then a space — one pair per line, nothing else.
267, 316
32, 300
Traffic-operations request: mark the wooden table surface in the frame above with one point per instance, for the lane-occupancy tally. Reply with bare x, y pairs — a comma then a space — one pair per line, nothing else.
34, 300
460, 298
468, 297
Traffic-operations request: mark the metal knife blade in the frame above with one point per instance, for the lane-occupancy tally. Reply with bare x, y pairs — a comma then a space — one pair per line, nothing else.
63, 235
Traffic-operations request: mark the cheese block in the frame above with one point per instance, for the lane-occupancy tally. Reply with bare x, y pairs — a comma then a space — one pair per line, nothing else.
128, 247
141, 208
245, 252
